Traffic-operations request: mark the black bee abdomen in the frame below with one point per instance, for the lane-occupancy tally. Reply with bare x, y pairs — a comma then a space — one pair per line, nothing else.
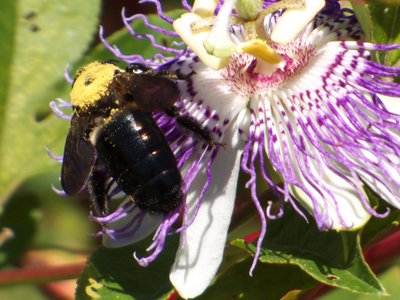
137, 155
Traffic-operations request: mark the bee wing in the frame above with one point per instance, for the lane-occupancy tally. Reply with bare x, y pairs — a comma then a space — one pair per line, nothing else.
79, 159
151, 92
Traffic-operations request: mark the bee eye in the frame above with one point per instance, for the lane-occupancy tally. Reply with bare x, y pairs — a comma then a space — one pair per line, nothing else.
136, 71
136, 68
88, 81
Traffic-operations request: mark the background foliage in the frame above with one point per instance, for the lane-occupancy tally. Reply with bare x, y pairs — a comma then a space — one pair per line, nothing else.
44, 238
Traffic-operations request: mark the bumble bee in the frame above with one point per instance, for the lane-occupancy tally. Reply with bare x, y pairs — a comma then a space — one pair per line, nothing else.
113, 134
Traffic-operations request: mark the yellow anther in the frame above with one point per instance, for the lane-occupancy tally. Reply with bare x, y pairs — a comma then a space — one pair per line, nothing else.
260, 49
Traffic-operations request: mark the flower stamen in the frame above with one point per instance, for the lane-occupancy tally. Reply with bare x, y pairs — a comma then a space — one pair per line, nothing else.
219, 43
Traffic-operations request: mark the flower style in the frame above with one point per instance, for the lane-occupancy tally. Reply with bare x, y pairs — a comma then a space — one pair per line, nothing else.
305, 96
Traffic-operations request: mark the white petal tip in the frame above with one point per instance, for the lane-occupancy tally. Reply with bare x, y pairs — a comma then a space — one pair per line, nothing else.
392, 103
200, 254
186, 291
346, 213
204, 8
294, 20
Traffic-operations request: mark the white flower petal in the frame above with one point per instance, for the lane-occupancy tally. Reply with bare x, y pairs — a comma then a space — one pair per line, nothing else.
200, 255
389, 169
387, 191
208, 98
293, 21
335, 203
348, 209
392, 103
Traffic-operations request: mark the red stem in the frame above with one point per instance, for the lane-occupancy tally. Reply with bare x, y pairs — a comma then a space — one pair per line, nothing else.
40, 274
381, 253
173, 296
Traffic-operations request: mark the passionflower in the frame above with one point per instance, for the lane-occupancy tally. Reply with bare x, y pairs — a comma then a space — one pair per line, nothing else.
289, 89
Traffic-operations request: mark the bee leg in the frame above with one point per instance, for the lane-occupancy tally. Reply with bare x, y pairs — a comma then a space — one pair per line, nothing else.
191, 126
137, 68
172, 75
99, 201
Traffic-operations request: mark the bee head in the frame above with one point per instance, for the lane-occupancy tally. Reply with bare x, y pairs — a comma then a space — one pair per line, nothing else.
91, 83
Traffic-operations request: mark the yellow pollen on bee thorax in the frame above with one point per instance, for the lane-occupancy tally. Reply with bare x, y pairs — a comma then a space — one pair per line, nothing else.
111, 116
92, 83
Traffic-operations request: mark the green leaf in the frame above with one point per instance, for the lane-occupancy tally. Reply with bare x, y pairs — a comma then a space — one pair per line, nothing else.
21, 292
381, 24
47, 35
114, 274
268, 282
364, 17
22, 218
329, 257
64, 222
7, 32
41, 219
390, 278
